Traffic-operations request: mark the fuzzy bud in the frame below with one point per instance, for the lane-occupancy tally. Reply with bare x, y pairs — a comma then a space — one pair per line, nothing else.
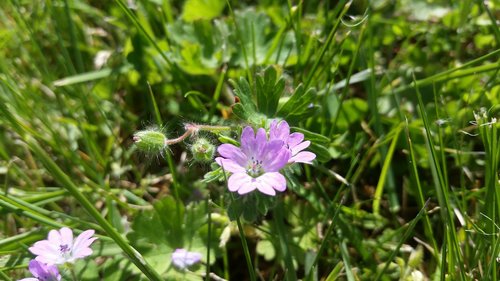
151, 141
203, 150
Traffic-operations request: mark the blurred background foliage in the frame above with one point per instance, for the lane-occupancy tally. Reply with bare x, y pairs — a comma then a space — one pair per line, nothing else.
80, 77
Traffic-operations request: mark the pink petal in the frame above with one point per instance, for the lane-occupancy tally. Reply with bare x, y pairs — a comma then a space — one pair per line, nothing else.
229, 165
299, 147
85, 243
276, 157
232, 152
276, 180
54, 237
82, 252
36, 268
247, 140
84, 239
303, 157
279, 130
50, 260
294, 139
237, 181
82, 242
260, 143
264, 187
44, 247
66, 236
248, 187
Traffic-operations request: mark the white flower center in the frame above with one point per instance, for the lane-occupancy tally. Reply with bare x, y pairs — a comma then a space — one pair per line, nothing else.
254, 167
64, 250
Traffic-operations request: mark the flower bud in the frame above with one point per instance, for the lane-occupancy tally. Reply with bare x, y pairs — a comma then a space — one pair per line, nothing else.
151, 141
203, 150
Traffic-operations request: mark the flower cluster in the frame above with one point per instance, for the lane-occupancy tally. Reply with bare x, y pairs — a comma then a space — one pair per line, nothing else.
59, 248
255, 165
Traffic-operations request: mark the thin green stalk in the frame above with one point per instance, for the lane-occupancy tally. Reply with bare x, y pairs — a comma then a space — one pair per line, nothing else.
73, 273
385, 170
168, 156
493, 19
42, 215
405, 237
349, 73
136, 22
442, 191
19, 209
73, 39
488, 131
246, 251
242, 43
296, 11
4, 276
346, 258
329, 40
329, 230
420, 194
279, 220
454, 73
217, 92
209, 237
66, 182
373, 95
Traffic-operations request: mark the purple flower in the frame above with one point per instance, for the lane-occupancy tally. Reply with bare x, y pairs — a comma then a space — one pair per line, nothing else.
255, 164
60, 247
41, 271
183, 259
293, 142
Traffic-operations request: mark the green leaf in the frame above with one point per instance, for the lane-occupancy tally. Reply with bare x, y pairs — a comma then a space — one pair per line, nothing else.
202, 9
299, 104
171, 215
269, 90
352, 111
196, 47
322, 153
313, 137
91, 76
266, 249
87, 271
246, 107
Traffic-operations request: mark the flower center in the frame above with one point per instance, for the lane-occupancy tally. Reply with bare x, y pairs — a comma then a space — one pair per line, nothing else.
64, 249
254, 167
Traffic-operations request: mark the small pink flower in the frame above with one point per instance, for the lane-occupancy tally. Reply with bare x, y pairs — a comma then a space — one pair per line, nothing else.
183, 259
293, 142
255, 164
41, 271
60, 247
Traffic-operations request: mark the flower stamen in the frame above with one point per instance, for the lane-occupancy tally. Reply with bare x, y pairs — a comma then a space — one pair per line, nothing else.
63, 248
254, 168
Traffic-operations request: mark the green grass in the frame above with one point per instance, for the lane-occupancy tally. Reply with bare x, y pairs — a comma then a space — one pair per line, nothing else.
400, 99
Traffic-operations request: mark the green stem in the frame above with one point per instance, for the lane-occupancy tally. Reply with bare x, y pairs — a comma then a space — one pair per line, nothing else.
279, 220
458, 72
136, 22
246, 251
73, 273
209, 236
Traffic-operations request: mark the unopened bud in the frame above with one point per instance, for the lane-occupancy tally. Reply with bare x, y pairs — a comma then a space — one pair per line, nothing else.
203, 150
151, 141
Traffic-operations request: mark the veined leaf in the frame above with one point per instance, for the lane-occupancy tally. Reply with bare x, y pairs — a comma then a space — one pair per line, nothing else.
269, 90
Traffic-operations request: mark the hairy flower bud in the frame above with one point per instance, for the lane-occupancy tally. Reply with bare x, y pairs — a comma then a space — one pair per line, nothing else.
151, 141
203, 150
